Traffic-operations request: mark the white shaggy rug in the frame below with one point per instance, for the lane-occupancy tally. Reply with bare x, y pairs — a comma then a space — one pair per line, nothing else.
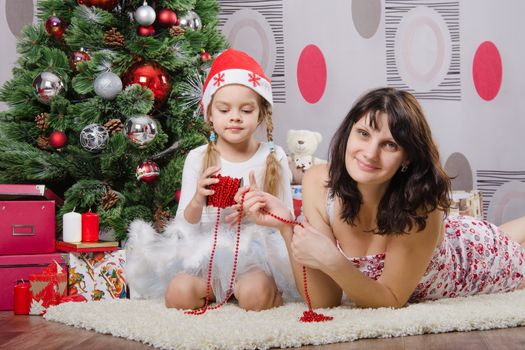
233, 328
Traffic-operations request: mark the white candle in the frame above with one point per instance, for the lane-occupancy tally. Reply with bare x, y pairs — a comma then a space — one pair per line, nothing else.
72, 227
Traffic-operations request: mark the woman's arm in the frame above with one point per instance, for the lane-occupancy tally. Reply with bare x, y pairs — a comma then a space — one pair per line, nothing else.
407, 257
322, 289
258, 205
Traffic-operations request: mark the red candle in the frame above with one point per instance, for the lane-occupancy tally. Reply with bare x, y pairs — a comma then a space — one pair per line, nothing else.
22, 298
89, 227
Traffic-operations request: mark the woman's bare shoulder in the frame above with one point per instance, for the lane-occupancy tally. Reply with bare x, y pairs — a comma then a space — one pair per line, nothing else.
316, 176
314, 198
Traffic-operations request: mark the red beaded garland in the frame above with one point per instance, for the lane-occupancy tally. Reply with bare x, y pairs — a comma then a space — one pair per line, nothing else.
223, 197
310, 315
225, 190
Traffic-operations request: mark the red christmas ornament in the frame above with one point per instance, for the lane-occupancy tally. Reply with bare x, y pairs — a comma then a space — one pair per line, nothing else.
77, 57
167, 18
205, 56
55, 27
58, 139
177, 195
103, 4
145, 30
148, 171
152, 76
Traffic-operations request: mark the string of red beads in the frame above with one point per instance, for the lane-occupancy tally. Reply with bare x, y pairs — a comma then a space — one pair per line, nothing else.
223, 197
224, 192
310, 315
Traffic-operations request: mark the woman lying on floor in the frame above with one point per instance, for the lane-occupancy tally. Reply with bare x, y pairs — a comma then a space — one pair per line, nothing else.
382, 234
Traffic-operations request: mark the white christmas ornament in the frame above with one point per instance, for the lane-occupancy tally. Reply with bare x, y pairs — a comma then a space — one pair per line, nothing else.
145, 15
94, 137
108, 85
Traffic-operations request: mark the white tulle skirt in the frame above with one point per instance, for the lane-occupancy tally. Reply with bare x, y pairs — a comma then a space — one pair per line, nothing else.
153, 259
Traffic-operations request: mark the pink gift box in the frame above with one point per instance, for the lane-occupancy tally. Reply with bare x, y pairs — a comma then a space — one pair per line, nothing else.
27, 219
17, 267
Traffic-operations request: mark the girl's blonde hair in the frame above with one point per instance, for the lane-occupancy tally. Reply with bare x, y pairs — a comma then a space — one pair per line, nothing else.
272, 174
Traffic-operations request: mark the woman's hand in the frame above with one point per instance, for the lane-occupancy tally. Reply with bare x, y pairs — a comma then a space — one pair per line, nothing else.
314, 249
258, 205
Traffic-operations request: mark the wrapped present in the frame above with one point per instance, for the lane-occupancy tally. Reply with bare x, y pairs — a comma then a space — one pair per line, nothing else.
467, 203
97, 275
47, 288
19, 267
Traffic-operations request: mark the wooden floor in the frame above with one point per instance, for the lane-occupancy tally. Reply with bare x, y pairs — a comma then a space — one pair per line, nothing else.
33, 332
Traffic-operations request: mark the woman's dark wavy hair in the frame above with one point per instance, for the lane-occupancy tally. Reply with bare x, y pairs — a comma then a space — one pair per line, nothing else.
411, 195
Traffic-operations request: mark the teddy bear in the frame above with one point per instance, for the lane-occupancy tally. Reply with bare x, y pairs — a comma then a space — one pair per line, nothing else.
302, 145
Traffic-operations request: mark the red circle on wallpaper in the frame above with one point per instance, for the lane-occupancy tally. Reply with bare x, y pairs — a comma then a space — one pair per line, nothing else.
311, 74
487, 70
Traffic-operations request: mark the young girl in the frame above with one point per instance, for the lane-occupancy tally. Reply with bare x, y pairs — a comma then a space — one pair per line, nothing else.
381, 234
237, 98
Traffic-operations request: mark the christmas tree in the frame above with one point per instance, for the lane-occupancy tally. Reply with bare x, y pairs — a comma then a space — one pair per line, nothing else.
104, 104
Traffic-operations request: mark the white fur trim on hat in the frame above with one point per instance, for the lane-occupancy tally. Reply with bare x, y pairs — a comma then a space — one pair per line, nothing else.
237, 76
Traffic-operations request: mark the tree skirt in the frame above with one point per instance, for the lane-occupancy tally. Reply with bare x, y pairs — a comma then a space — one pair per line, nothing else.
230, 327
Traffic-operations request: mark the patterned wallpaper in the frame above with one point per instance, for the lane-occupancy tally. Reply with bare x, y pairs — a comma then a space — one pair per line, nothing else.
462, 59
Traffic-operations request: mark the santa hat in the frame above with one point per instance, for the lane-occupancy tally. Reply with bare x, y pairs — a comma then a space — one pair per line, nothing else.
235, 67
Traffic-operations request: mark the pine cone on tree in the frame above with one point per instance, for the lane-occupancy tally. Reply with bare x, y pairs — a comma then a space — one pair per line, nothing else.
43, 142
109, 199
161, 217
176, 31
113, 126
113, 38
42, 121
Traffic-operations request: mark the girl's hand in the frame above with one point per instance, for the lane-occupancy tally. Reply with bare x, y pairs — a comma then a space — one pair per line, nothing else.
258, 203
204, 182
233, 217
314, 249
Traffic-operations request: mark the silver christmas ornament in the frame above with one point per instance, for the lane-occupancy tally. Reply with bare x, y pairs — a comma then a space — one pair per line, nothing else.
145, 15
190, 20
107, 85
46, 86
140, 129
94, 137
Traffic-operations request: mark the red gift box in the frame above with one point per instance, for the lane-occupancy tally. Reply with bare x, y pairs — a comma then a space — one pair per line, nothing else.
47, 288
27, 219
19, 267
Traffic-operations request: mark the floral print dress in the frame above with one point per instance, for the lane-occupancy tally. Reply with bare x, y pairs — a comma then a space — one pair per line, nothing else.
475, 257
